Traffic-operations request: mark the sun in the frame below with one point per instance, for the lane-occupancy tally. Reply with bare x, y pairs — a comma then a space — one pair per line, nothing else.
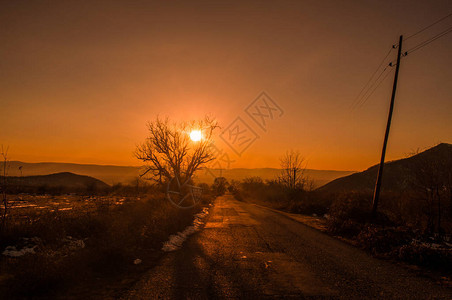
195, 135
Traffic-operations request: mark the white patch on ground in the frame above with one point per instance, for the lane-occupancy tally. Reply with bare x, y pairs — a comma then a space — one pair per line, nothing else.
29, 246
444, 246
65, 208
12, 251
24, 206
175, 241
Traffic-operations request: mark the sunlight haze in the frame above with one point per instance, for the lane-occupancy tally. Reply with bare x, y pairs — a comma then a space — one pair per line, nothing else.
78, 82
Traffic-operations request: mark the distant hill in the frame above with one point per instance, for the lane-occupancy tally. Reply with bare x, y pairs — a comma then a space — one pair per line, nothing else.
126, 174
398, 175
320, 177
64, 180
107, 173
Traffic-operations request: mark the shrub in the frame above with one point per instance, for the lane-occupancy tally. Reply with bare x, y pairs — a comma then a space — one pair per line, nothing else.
237, 194
422, 255
380, 240
348, 214
274, 194
310, 203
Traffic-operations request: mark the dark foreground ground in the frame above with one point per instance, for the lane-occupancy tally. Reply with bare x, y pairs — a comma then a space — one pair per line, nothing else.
246, 251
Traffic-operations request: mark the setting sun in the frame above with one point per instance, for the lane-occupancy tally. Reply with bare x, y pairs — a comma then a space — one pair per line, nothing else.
195, 135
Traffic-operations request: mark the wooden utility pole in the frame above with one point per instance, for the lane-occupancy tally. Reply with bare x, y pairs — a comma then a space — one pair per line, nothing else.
385, 142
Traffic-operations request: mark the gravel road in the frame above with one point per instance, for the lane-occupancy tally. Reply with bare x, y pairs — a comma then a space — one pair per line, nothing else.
250, 252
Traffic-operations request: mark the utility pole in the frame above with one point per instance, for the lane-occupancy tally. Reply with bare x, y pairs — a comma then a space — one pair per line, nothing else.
388, 126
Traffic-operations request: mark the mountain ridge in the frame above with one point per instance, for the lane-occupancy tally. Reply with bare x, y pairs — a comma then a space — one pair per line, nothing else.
112, 174
398, 175
66, 180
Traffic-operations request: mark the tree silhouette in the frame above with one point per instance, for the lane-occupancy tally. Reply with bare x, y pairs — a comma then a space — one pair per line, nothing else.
292, 170
3, 184
168, 152
220, 185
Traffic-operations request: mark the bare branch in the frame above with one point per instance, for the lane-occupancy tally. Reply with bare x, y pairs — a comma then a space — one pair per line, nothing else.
292, 170
168, 151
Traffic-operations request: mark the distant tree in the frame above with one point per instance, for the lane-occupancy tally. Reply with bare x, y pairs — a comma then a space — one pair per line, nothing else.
204, 186
220, 185
3, 184
292, 171
137, 185
168, 152
253, 180
233, 186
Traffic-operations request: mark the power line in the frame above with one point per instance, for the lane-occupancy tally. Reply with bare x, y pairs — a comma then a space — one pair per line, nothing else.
427, 27
373, 83
365, 87
369, 88
376, 87
428, 41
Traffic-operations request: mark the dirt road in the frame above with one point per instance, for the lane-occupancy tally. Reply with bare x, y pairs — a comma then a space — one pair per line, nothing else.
250, 252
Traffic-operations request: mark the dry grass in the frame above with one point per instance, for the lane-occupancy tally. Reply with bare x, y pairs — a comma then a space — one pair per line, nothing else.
93, 243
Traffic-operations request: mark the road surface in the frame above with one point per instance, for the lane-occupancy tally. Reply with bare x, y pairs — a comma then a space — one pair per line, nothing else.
250, 252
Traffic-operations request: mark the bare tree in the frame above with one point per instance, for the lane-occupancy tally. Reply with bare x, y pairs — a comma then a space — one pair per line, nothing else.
4, 156
168, 152
292, 170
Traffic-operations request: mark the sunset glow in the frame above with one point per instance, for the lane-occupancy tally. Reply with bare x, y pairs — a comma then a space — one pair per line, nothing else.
195, 135
97, 79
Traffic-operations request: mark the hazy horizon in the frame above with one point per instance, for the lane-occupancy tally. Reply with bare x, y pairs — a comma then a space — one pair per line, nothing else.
232, 167
80, 81
139, 166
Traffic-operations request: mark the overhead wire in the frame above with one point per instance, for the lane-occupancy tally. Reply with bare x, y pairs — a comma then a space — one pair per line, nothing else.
369, 88
373, 83
376, 87
427, 27
366, 86
428, 41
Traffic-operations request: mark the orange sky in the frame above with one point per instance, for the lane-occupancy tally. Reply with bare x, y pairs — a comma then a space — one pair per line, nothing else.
78, 81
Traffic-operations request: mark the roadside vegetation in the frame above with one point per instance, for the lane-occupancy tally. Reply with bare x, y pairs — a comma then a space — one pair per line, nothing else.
413, 225
71, 244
